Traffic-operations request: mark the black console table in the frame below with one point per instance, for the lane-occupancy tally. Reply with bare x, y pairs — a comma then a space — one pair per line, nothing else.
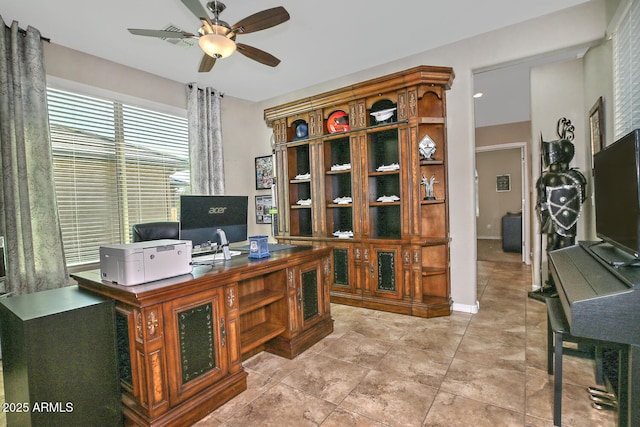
59, 359
600, 297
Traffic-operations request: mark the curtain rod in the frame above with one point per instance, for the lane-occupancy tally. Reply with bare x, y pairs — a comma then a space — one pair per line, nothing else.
191, 85
24, 33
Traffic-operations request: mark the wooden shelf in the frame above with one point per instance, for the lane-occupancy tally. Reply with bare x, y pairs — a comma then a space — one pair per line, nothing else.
433, 271
301, 206
431, 202
258, 335
434, 241
377, 173
259, 299
384, 126
431, 120
431, 162
385, 203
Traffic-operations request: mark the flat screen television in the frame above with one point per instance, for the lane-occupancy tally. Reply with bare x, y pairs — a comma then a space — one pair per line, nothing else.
617, 193
202, 216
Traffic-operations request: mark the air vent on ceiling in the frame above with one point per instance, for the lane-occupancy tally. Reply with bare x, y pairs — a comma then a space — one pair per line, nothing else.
179, 42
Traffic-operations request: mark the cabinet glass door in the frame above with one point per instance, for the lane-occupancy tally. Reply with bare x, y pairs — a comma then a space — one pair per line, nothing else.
384, 184
300, 194
338, 187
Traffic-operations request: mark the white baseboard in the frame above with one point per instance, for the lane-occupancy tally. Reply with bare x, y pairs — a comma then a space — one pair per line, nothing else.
466, 308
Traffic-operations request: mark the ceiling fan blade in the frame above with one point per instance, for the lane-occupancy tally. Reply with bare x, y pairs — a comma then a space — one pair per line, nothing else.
261, 20
161, 33
257, 55
207, 63
197, 9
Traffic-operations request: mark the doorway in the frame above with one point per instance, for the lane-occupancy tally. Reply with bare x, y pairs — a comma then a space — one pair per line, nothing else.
502, 205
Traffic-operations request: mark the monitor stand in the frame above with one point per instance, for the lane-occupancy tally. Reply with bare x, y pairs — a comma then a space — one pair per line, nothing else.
224, 243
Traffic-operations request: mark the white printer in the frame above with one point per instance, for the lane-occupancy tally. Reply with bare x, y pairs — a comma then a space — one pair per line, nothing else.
142, 262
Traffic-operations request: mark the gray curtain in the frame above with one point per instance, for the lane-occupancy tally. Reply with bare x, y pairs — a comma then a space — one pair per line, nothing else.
205, 140
28, 207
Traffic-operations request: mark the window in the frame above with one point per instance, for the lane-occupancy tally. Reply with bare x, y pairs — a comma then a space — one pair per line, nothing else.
115, 165
626, 72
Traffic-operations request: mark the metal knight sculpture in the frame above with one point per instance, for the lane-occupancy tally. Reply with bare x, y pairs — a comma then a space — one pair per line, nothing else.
561, 190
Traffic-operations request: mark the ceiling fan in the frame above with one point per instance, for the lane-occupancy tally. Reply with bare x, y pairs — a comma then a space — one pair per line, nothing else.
217, 38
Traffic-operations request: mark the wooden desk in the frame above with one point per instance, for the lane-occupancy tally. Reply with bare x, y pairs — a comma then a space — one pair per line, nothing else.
181, 341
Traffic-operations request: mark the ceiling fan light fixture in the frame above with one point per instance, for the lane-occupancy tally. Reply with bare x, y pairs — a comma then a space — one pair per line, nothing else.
217, 45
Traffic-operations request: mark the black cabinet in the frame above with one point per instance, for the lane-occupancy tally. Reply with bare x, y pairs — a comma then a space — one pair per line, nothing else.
512, 232
59, 359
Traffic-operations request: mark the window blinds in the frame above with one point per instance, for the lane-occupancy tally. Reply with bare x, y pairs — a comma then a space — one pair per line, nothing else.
115, 165
626, 72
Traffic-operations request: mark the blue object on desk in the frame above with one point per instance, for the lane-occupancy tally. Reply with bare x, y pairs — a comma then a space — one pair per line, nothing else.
258, 247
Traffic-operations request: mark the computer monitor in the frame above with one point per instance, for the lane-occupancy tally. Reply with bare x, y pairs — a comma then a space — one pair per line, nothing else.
202, 216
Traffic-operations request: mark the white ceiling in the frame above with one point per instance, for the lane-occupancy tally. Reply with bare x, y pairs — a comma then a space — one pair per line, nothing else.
322, 41
506, 89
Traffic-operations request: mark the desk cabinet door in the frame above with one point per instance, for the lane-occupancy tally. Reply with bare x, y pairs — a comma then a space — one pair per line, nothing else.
310, 294
196, 343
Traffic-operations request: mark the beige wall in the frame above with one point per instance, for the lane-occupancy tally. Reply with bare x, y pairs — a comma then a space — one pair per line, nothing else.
503, 134
246, 136
493, 204
598, 81
71, 67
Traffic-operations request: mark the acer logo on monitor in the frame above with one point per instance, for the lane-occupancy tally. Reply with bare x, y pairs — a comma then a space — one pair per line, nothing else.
217, 210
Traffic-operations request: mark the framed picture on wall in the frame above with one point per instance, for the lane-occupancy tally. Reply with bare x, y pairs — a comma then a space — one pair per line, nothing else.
503, 183
264, 172
596, 126
263, 207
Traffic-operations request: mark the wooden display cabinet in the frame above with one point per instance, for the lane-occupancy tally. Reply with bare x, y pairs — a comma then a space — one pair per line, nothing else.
396, 254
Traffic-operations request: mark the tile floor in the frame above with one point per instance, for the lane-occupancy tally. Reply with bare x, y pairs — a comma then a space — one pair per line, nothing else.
383, 369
